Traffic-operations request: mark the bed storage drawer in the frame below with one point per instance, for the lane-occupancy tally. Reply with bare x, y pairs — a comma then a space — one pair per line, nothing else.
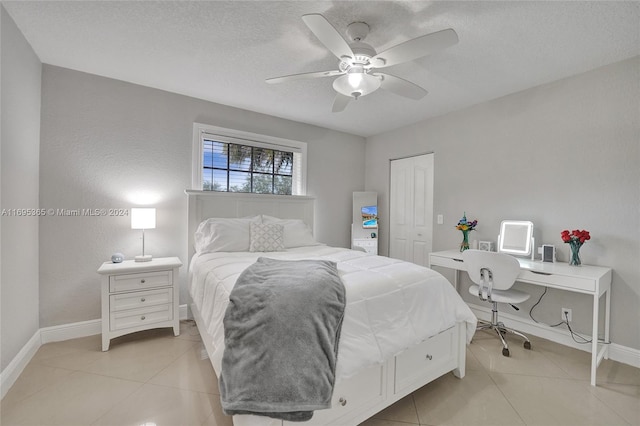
350, 396
139, 299
428, 358
142, 316
128, 282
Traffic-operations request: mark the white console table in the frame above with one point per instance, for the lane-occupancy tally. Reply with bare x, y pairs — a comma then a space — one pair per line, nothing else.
592, 280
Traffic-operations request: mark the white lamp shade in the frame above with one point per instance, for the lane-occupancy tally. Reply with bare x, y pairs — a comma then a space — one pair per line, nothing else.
356, 84
143, 218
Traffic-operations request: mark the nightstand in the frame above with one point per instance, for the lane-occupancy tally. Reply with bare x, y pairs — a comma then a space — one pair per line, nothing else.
139, 296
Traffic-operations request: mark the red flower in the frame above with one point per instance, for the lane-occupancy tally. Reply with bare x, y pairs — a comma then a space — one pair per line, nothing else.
576, 236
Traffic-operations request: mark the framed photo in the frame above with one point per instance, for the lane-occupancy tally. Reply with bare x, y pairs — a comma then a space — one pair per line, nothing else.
486, 245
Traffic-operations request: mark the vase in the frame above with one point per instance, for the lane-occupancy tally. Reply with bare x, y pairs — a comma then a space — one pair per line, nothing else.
574, 255
464, 245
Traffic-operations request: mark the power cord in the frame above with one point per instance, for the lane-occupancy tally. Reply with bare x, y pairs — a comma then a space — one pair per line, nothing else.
536, 304
583, 340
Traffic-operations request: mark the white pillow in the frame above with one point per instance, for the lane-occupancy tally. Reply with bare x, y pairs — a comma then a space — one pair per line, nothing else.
296, 232
266, 237
224, 234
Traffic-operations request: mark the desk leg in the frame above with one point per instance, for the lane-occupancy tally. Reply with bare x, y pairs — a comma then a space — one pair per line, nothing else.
456, 280
607, 314
594, 339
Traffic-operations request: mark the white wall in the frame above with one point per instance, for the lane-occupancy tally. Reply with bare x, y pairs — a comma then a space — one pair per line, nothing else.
19, 157
104, 141
565, 155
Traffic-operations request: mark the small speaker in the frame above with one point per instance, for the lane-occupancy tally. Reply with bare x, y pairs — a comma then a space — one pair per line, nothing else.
548, 253
117, 257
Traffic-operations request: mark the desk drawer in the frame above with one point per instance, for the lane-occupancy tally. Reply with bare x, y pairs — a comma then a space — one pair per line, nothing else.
140, 281
139, 299
447, 262
558, 281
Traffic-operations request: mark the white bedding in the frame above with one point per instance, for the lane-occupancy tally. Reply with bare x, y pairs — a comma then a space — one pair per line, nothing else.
391, 305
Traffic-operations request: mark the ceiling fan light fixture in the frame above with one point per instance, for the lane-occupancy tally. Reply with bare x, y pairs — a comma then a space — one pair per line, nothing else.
356, 84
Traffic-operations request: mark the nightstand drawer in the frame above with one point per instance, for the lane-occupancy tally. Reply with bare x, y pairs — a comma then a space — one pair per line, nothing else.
140, 281
136, 317
140, 299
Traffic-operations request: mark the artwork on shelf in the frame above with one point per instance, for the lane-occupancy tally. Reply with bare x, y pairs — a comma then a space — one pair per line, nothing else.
369, 216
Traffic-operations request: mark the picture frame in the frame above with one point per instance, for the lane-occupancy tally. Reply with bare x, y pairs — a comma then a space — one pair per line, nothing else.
486, 246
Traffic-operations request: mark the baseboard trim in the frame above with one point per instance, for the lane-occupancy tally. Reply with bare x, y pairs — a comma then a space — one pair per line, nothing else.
183, 312
56, 333
59, 333
623, 354
17, 365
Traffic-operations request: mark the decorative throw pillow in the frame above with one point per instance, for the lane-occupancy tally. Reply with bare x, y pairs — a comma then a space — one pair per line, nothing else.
266, 237
296, 232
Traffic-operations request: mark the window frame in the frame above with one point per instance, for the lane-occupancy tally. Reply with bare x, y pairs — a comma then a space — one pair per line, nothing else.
222, 134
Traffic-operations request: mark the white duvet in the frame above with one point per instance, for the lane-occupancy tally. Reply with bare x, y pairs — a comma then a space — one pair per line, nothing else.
391, 305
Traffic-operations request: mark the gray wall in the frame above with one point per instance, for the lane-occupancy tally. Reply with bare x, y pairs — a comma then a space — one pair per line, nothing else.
106, 142
564, 155
20, 87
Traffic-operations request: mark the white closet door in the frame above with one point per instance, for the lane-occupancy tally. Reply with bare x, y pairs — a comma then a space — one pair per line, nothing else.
411, 212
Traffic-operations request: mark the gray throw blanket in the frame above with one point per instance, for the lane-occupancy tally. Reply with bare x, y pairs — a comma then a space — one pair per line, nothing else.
281, 332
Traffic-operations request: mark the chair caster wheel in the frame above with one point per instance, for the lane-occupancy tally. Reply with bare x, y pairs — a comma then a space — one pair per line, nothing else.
527, 345
505, 351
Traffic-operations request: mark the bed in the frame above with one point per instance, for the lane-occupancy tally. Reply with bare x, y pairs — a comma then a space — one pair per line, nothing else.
404, 325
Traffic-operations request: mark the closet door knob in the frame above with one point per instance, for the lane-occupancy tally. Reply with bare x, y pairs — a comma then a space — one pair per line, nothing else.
143, 318
142, 281
143, 299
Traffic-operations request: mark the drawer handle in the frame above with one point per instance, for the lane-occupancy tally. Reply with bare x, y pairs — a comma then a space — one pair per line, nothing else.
458, 260
541, 273
143, 281
342, 401
143, 299
143, 318
429, 357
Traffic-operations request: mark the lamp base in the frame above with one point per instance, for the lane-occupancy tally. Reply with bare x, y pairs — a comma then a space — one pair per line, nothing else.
144, 258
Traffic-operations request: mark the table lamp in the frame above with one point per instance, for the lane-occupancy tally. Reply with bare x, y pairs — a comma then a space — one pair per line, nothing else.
143, 218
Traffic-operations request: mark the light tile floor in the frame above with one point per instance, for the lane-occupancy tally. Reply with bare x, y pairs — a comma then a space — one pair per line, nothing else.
153, 378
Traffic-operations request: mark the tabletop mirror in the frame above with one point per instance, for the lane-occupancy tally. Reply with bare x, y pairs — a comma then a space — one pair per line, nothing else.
516, 238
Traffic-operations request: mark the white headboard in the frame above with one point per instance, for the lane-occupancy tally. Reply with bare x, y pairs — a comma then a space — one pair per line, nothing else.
206, 204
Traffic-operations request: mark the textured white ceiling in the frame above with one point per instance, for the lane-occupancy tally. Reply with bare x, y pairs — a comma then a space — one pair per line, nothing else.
222, 51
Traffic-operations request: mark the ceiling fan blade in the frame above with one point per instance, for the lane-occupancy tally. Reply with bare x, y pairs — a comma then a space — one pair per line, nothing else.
303, 76
340, 102
328, 35
401, 86
415, 48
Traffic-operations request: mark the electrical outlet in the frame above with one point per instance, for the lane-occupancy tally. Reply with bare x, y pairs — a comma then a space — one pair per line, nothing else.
566, 314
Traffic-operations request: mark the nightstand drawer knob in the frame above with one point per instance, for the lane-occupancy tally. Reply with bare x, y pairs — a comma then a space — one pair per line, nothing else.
143, 281
429, 357
343, 401
143, 317
143, 299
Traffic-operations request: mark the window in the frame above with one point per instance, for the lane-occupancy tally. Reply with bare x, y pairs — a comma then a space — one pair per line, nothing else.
233, 161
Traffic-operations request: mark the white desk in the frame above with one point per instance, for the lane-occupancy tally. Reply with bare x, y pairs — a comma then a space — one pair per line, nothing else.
586, 279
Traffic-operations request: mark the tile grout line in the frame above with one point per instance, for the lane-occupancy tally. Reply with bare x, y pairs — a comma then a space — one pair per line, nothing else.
506, 398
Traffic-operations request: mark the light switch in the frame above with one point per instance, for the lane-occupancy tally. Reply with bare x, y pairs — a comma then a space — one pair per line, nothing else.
440, 219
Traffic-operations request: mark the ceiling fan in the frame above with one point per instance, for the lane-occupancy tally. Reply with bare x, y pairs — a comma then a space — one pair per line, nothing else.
359, 61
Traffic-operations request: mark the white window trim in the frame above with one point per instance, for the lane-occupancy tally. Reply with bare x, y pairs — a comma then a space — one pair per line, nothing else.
244, 138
